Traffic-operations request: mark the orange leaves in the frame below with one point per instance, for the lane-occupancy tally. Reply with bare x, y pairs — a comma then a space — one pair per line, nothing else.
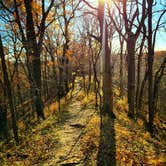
140, 122
15, 28
22, 8
50, 63
69, 55
7, 26
36, 7
51, 17
116, 91
14, 15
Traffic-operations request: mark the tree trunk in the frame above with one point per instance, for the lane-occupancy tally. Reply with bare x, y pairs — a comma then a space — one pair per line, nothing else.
8, 92
158, 76
89, 77
121, 66
142, 91
150, 68
4, 131
34, 53
138, 73
106, 65
131, 74
107, 84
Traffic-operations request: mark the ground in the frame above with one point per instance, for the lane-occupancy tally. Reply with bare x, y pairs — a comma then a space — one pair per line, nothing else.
72, 136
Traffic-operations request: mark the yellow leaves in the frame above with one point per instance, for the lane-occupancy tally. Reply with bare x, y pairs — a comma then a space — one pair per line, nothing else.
158, 161
94, 122
69, 52
88, 99
146, 135
53, 107
50, 63
116, 92
140, 122
69, 55
50, 17
59, 51
36, 7
121, 131
21, 124
144, 142
56, 26
90, 141
122, 104
22, 7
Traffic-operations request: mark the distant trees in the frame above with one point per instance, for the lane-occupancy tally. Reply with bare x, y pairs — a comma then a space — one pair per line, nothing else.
66, 14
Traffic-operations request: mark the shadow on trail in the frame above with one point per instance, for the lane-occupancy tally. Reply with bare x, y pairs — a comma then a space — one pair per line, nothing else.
107, 146
62, 117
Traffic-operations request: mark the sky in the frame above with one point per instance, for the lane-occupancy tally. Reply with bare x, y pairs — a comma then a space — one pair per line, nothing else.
161, 41
161, 35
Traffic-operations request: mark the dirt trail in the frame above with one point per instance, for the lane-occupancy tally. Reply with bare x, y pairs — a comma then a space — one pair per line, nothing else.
69, 132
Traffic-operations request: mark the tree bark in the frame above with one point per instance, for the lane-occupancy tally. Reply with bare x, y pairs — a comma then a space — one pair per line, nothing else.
121, 65
9, 92
150, 67
131, 73
34, 54
106, 71
139, 71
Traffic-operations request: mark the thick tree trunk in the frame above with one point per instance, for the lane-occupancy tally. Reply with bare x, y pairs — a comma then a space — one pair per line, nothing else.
4, 131
142, 91
106, 65
107, 85
158, 76
131, 74
106, 152
138, 74
65, 49
150, 68
34, 53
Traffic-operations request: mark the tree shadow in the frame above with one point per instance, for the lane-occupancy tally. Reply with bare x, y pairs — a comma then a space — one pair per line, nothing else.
62, 117
107, 145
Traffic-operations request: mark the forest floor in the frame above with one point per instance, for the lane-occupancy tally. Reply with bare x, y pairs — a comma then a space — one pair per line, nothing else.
71, 137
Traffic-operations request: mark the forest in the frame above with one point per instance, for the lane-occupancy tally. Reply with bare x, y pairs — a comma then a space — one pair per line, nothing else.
82, 82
